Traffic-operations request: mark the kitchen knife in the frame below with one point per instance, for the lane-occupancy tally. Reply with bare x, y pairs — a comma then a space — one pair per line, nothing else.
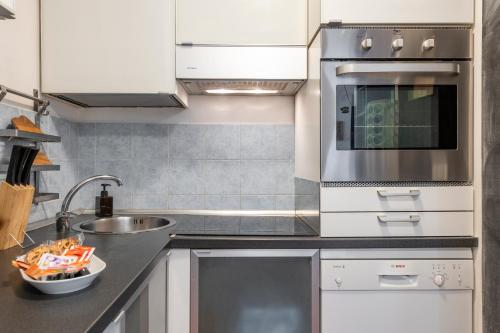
26, 174
13, 163
22, 161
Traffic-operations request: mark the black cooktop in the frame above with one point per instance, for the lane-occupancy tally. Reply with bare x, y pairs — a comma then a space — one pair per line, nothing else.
241, 225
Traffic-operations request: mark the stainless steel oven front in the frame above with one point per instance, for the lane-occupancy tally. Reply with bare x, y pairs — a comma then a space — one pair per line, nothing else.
396, 105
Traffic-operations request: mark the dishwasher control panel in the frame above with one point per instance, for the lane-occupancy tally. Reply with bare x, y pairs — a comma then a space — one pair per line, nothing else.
397, 274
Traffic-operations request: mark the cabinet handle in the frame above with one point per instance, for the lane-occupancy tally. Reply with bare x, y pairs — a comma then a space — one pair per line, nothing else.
410, 193
410, 218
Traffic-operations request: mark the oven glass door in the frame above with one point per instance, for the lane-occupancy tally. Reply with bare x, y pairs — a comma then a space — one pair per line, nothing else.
395, 121
396, 117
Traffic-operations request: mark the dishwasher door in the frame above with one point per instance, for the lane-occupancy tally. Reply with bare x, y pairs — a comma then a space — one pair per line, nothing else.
254, 291
394, 296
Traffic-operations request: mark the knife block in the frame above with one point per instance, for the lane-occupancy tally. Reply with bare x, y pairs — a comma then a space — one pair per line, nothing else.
15, 209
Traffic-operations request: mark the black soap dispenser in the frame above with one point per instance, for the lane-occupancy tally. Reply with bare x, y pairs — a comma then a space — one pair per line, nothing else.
104, 203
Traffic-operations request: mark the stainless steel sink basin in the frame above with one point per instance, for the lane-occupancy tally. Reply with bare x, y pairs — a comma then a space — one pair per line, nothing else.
124, 224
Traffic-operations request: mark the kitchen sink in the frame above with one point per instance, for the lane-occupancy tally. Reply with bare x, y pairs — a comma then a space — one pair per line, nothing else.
124, 224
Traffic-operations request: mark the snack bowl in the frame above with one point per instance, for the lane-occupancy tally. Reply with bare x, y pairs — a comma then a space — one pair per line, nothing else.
95, 267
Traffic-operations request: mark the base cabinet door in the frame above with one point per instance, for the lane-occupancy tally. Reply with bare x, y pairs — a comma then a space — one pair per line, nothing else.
146, 311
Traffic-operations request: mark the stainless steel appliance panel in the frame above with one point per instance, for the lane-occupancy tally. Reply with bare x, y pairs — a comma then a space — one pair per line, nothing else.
377, 43
426, 163
248, 291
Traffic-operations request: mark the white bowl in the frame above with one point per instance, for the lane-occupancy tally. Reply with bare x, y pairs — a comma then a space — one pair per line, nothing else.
95, 267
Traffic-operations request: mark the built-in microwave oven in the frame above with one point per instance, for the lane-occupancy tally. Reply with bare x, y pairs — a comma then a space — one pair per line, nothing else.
396, 104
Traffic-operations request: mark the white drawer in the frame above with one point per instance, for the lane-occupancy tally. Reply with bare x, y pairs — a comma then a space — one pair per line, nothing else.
376, 199
396, 224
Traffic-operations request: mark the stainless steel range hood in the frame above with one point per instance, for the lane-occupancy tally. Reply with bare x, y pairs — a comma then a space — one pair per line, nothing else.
241, 87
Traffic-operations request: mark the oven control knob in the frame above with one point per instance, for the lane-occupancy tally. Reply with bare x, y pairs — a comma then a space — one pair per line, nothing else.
398, 44
438, 280
367, 44
428, 44
338, 281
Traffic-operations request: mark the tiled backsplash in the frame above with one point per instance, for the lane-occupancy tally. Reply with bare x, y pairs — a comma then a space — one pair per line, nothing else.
191, 166
248, 167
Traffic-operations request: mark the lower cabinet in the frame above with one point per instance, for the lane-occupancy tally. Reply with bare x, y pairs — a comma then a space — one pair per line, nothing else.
146, 311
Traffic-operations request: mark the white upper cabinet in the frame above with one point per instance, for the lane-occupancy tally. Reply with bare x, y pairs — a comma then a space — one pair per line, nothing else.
7, 9
110, 53
242, 22
389, 12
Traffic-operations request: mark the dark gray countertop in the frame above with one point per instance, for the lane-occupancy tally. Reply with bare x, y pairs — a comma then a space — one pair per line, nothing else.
129, 260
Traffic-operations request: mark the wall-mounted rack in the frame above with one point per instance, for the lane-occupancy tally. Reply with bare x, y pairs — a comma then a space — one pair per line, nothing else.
40, 108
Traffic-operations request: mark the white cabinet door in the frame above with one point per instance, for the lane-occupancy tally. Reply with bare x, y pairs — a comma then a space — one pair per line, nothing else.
178, 299
112, 46
237, 63
242, 22
398, 11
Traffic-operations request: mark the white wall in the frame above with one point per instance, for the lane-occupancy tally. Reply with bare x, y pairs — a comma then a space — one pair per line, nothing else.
203, 110
19, 55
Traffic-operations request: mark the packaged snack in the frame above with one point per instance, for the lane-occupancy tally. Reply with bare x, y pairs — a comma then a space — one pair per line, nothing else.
56, 260
52, 261
33, 256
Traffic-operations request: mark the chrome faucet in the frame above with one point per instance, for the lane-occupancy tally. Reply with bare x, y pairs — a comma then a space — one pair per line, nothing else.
63, 217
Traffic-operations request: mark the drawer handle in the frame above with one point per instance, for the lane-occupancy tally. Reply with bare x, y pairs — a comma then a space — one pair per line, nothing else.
410, 218
410, 193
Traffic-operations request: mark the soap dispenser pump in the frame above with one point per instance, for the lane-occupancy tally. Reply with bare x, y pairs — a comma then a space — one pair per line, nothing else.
104, 203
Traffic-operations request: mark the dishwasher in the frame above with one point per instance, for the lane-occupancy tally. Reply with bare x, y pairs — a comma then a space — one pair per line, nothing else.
254, 291
396, 290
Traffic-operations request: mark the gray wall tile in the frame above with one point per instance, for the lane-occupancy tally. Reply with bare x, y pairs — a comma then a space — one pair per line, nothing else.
187, 141
186, 202
86, 141
267, 142
257, 202
222, 142
258, 142
68, 147
167, 166
285, 202
283, 173
285, 142
149, 201
220, 202
222, 177
267, 177
7, 112
113, 141
190, 222
150, 176
258, 177
122, 200
150, 141
119, 168
186, 177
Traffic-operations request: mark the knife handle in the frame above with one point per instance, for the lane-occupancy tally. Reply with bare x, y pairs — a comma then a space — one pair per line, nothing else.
14, 161
26, 174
